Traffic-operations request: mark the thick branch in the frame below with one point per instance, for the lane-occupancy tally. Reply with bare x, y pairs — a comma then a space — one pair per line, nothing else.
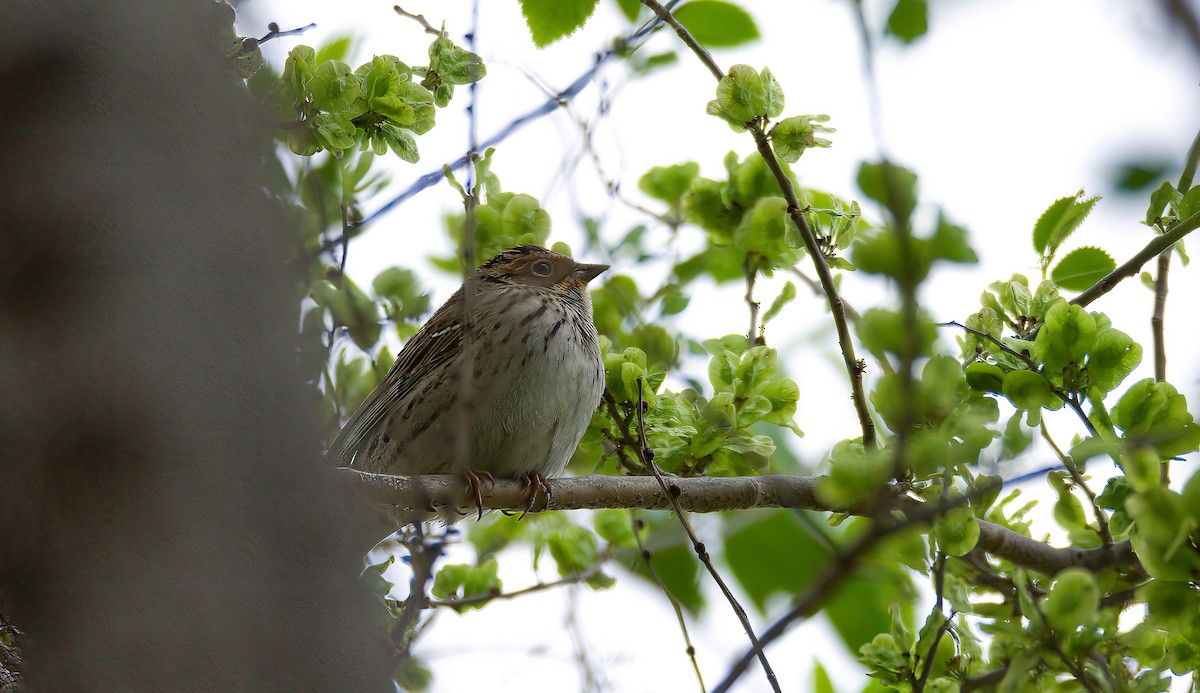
712, 494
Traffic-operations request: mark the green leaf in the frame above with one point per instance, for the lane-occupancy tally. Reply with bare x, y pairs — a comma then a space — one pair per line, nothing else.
951, 242
761, 570
859, 609
1068, 509
1160, 537
741, 95
883, 652
821, 682
1059, 221
334, 131
401, 287
1143, 468
878, 252
1166, 194
615, 526
892, 186
1015, 439
909, 20
774, 93
669, 183
298, 70
791, 136
453, 64
522, 216
401, 141
1158, 413
1066, 336
782, 393
550, 20
900, 631
1029, 390
717, 24
1081, 268
335, 49
853, 475
351, 307
630, 8
957, 531
1114, 355
1190, 204
673, 300
1073, 600
785, 297
334, 87
885, 330
449, 579
573, 549
985, 377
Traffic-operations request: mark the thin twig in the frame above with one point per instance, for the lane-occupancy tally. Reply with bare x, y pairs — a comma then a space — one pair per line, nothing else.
552, 104
420, 19
1159, 244
687, 38
591, 678
1069, 399
610, 403
986, 681
939, 581
751, 274
249, 43
854, 367
465, 399
1156, 320
823, 587
644, 553
538, 587
851, 314
1077, 477
344, 207
1160, 285
1052, 642
422, 557
672, 493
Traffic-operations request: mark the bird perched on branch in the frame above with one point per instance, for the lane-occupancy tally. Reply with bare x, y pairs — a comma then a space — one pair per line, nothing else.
536, 380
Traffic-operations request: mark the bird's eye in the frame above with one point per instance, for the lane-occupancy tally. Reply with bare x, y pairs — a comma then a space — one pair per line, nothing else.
542, 268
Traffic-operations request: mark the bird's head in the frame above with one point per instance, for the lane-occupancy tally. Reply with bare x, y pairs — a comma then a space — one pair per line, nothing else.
531, 265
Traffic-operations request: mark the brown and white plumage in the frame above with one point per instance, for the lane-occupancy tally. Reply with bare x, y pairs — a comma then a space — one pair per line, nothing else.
537, 378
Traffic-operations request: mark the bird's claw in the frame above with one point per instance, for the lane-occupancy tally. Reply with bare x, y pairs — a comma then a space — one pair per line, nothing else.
534, 481
474, 479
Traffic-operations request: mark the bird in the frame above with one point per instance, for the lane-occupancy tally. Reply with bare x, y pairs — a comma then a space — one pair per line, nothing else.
538, 377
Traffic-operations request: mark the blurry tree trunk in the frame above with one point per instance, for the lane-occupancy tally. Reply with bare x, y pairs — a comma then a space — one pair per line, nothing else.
166, 522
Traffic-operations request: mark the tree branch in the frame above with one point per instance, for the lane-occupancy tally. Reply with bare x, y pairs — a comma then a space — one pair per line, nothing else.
1134, 265
713, 494
646, 454
751, 274
854, 369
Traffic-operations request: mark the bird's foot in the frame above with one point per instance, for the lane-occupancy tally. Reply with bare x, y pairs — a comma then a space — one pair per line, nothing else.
474, 479
533, 482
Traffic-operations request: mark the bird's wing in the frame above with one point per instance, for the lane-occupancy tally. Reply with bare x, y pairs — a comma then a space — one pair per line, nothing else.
440, 340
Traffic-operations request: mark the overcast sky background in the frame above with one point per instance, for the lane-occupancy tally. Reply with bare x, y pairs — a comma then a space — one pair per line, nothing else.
1005, 106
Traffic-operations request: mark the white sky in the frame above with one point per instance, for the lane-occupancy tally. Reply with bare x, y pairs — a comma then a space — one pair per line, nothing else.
1005, 106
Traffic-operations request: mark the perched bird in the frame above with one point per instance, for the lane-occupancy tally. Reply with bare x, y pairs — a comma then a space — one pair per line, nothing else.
537, 379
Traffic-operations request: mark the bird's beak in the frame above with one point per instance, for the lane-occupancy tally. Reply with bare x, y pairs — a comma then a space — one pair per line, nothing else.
586, 273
